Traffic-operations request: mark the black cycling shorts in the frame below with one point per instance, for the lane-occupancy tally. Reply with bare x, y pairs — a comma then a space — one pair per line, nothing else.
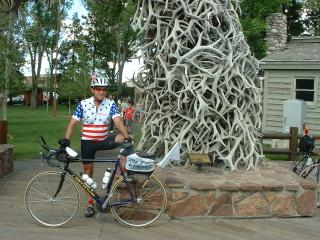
89, 147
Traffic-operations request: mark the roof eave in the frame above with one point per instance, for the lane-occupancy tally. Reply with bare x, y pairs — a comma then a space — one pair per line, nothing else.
297, 65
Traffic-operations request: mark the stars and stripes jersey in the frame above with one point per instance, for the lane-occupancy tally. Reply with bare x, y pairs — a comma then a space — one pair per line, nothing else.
95, 122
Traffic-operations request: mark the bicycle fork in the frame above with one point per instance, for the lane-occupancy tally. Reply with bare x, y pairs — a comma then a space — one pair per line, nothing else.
63, 174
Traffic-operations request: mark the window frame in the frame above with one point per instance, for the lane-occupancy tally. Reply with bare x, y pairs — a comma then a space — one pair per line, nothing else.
314, 90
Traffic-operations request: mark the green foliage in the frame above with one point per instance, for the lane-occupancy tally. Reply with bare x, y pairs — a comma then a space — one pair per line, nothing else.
11, 48
255, 32
313, 5
253, 20
295, 22
102, 44
312, 21
40, 32
113, 37
76, 62
27, 125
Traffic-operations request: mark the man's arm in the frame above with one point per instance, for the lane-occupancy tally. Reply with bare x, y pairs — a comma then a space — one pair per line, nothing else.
119, 123
70, 129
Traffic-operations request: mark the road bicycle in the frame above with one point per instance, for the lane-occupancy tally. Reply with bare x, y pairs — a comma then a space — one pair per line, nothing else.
136, 199
305, 156
307, 165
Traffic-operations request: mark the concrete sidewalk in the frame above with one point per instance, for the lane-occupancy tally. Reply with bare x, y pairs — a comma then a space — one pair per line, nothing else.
16, 223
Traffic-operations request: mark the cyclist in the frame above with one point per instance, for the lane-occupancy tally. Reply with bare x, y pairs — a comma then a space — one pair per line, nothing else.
95, 113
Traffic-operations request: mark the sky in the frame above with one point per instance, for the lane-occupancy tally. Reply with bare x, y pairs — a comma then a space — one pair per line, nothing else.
130, 69
77, 7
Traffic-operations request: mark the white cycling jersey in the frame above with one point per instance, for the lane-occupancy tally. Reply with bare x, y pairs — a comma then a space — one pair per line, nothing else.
95, 122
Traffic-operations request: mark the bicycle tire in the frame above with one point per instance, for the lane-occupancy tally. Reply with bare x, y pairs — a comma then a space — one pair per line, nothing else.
45, 210
151, 201
312, 173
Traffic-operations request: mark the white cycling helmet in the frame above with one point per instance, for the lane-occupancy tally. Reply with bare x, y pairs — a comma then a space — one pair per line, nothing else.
98, 82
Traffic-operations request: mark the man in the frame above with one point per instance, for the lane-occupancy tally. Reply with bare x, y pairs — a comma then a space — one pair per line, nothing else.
95, 113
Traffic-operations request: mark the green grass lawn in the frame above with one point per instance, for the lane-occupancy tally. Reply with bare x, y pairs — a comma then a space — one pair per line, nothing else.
284, 157
26, 125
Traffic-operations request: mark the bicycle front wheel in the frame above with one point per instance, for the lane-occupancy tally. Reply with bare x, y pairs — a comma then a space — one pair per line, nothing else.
312, 173
46, 209
299, 163
144, 207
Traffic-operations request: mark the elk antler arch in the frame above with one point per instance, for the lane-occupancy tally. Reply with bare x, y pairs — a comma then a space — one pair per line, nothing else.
199, 81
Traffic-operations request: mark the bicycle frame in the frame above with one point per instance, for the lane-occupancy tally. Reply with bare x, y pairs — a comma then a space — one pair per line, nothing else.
102, 201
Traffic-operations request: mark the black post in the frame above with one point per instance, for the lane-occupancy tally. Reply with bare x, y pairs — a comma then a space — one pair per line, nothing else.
3, 132
293, 143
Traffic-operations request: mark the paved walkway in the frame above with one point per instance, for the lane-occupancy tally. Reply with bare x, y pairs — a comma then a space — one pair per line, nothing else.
16, 223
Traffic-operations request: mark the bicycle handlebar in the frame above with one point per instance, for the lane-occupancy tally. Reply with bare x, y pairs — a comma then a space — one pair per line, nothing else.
61, 153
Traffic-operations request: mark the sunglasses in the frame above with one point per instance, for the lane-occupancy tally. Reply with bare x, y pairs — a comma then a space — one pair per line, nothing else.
99, 89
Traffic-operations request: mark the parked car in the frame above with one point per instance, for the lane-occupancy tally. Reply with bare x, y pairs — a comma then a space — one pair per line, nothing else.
16, 100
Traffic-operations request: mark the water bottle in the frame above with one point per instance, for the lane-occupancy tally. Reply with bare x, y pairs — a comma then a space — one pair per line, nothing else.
89, 181
309, 161
106, 178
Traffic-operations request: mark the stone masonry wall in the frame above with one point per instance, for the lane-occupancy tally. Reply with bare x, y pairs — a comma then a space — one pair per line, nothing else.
268, 192
276, 32
6, 159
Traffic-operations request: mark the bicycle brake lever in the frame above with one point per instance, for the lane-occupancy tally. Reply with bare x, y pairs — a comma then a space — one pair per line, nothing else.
42, 161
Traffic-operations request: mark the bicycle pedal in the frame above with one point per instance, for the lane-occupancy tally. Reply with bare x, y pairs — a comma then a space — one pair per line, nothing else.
103, 210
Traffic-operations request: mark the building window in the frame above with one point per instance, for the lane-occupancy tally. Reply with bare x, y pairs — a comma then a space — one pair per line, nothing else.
305, 89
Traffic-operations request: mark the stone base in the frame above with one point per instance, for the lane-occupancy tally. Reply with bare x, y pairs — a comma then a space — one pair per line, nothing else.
6, 159
270, 191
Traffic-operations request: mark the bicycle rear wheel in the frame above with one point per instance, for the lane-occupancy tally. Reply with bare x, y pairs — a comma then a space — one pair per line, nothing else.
147, 205
49, 211
312, 173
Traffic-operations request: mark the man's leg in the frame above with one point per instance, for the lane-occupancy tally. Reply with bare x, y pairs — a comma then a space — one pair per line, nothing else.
107, 145
88, 169
123, 159
88, 152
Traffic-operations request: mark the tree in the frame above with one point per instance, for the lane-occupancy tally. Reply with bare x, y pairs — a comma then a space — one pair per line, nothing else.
39, 32
113, 38
312, 20
11, 60
52, 48
293, 12
75, 62
312, 4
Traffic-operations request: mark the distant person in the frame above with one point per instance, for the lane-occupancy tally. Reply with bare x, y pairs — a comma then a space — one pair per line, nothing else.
95, 114
124, 106
129, 115
139, 111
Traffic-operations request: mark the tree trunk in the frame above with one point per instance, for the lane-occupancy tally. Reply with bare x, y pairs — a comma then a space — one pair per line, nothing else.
7, 70
34, 96
119, 79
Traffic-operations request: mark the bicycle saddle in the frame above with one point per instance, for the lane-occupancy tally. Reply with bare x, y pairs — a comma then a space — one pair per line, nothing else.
145, 154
